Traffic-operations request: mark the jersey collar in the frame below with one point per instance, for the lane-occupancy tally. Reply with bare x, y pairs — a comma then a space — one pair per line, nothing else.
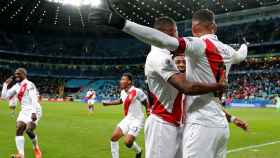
131, 88
211, 36
23, 81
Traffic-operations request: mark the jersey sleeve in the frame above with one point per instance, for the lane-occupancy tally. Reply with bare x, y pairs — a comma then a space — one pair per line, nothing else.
141, 96
166, 68
191, 46
240, 54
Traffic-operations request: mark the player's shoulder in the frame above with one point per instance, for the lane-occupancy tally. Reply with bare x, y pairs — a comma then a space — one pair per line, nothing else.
30, 84
158, 54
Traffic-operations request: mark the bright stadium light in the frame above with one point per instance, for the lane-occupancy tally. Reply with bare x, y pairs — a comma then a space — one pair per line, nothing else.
93, 3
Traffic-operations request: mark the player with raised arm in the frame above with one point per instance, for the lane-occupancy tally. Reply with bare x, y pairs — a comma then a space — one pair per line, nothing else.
206, 55
30, 112
132, 99
167, 85
91, 96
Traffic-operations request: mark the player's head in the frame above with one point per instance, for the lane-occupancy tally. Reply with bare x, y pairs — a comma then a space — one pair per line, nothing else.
180, 63
166, 25
126, 80
20, 74
203, 22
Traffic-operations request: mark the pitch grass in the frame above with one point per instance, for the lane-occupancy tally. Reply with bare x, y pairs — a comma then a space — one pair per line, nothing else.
68, 131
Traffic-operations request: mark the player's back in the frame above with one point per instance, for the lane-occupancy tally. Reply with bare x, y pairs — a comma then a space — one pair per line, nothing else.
167, 103
208, 65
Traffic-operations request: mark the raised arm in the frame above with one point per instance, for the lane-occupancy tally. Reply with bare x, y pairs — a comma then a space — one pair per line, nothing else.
8, 93
240, 54
151, 36
143, 33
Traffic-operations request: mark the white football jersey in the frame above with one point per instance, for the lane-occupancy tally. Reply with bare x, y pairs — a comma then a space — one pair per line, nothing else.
27, 95
204, 57
13, 101
132, 102
91, 95
168, 101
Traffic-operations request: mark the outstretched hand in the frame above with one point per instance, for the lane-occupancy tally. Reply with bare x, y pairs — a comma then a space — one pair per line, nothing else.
107, 17
240, 123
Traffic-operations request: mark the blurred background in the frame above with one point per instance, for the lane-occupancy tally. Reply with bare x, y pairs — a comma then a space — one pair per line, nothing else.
65, 56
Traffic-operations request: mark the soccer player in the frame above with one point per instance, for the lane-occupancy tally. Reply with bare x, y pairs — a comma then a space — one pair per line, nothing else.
207, 57
132, 99
91, 95
30, 112
167, 85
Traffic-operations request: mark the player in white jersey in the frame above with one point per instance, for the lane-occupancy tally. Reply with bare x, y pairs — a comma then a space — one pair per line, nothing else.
91, 96
167, 85
132, 99
30, 110
206, 55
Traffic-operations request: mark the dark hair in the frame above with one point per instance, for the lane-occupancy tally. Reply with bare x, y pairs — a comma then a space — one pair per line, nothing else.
163, 21
204, 15
129, 76
22, 70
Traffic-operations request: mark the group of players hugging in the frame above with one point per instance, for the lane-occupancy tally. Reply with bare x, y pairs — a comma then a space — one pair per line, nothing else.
186, 77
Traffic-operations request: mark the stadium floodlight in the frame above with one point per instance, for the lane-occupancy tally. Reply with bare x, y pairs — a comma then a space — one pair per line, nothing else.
93, 3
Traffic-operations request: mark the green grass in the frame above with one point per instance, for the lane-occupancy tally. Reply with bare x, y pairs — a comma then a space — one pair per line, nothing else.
67, 131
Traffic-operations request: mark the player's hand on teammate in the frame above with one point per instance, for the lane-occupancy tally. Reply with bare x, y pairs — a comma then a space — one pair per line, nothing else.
33, 117
240, 123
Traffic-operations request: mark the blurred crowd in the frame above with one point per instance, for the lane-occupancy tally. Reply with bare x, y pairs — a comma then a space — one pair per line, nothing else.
254, 78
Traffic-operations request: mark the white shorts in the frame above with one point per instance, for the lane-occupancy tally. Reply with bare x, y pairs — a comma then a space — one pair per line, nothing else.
162, 139
205, 142
131, 126
91, 101
25, 116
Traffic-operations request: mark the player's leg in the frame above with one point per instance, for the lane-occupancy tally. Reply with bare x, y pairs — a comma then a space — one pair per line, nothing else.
20, 128
196, 136
222, 143
30, 131
117, 134
89, 108
160, 139
133, 132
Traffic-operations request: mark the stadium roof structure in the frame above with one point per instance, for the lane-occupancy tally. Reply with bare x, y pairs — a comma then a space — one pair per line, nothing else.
71, 15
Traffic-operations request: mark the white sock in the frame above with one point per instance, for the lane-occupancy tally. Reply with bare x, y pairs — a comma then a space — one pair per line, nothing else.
115, 149
136, 147
20, 144
34, 141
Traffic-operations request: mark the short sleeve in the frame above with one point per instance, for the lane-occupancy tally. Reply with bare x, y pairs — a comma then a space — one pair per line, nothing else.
240, 54
166, 68
141, 95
